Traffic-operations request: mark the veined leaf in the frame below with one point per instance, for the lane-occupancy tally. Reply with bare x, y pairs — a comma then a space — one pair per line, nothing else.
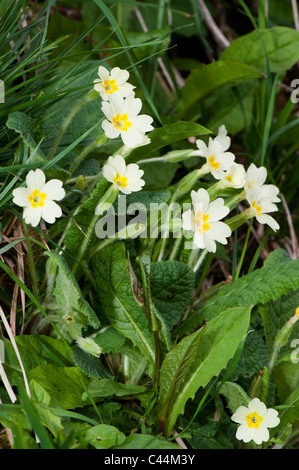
67, 301
26, 127
166, 135
113, 285
196, 360
279, 45
204, 81
278, 276
107, 388
172, 284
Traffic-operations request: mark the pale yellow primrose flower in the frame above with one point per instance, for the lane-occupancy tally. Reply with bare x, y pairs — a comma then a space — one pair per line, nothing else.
123, 119
255, 176
223, 139
254, 421
261, 200
126, 178
204, 221
38, 198
111, 82
218, 159
234, 177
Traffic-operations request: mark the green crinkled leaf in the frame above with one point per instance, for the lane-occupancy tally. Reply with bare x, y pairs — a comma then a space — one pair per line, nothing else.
235, 395
92, 366
279, 45
107, 388
65, 385
103, 436
172, 284
67, 301
110, 340
208, 436
196, 359
26, 127
278, 276
166, 135
204, 81
253, 358
113, 284
72, 115
145, 441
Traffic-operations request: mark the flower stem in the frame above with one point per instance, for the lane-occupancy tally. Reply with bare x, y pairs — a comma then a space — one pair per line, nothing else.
200, 260
31, 263
243, 251
109, 198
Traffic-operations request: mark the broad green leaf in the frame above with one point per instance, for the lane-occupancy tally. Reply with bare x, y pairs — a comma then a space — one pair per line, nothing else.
113, 284
35, 350
172, 284
107, 388
235, 395
11, 415
279, 44
196, 359
278, 276
286, 373
103, 436
274, 316
208, 79
146, 441
65, 385
166, 135
290, 414
67, 301
232, 107
26, 127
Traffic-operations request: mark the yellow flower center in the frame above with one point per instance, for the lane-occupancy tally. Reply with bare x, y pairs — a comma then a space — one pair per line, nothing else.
200, 222
212, 162
37, 199
297, 311
110, 86
248, 184
257, 208
229, 178
254, 420
121, 122
121, 181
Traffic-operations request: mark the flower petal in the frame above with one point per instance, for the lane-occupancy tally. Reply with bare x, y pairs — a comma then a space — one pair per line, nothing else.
35, 179
50, 211
21, 197
32, 215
